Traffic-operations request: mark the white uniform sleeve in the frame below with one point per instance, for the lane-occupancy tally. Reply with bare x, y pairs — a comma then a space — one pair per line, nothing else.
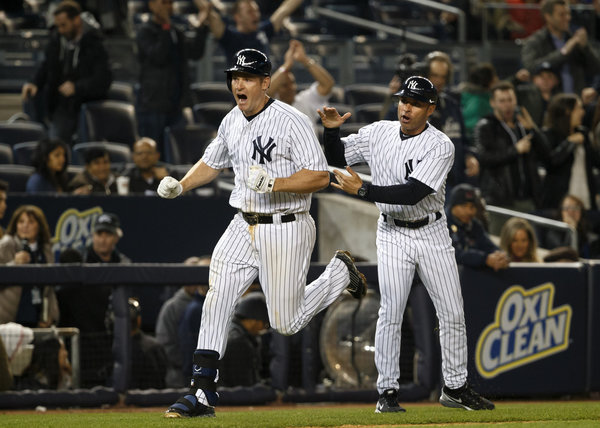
306, 151
435, 165
216, 154
356, 146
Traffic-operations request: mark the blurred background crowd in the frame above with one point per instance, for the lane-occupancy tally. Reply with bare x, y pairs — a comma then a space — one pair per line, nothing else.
108, 97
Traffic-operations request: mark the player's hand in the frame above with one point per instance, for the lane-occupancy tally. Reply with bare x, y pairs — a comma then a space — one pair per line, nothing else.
330, 118
348, 183
169, 188
259, 180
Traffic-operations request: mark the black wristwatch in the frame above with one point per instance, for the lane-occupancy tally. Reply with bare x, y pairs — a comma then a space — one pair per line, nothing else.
362, 192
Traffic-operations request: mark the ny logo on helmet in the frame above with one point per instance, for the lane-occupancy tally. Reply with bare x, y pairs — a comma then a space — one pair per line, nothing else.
242, 61
413, 85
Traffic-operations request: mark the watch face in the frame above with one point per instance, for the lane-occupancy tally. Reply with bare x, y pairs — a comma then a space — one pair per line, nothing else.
362, 192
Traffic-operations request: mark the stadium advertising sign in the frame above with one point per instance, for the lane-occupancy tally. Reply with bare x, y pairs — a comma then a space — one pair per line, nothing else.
526, 328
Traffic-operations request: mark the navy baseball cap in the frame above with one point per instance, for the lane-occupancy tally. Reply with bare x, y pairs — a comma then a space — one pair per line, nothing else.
108, 222
544, 66
418, 88
462, 194
253, 306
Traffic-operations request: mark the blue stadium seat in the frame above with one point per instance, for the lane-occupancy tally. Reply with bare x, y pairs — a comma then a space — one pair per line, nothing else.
23, 153
6, 156
366, 93
108, 120
368, 113
16, 176
119, 153
211, 113
21, 131
203, 92
185, 145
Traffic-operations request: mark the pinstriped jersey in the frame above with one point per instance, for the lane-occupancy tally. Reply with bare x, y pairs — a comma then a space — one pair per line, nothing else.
281, 140
427, 157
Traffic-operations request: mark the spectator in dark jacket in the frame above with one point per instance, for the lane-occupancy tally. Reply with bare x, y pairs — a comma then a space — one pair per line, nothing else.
148, 358
163, 51
75, 69
241, 364
97, 176
569, 168
507, 142
472, 245
145, 175
570, 53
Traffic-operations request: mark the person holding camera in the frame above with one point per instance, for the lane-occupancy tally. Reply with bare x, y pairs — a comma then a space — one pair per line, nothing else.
572, 155
508, 143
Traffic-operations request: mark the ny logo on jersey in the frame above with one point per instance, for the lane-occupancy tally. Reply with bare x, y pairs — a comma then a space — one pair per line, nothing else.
408, 167
263, 151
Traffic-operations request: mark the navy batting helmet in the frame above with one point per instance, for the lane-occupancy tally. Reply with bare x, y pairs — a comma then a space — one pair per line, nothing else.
418, 88
249, 61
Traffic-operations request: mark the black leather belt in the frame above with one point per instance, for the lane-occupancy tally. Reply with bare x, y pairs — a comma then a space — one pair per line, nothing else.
412, 224
252, 218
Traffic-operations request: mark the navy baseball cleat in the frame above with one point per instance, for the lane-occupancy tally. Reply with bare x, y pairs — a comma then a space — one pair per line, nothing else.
388, 402
464, 398
358, 283
188, 406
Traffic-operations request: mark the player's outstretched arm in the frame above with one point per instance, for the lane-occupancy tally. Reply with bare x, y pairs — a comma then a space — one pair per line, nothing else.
303, 181
198, 175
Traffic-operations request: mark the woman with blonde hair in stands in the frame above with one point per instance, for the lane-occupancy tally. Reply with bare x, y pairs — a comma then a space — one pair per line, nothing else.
518, 239
27, 241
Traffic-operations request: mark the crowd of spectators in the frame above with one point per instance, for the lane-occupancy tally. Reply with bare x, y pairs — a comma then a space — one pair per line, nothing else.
529, 142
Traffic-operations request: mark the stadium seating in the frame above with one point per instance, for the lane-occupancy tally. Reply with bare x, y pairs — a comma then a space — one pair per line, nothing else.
108, 120
368, 113
23, 152
367, 93
186, 145
203, 92
119, 153
121, 91
20, 131
6, 156
16, 176
211, 113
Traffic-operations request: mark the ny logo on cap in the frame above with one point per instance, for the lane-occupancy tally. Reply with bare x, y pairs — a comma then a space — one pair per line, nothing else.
242, 61
412, 85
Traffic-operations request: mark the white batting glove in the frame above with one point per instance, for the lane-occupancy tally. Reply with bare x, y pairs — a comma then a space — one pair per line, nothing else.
169, 188
259, 180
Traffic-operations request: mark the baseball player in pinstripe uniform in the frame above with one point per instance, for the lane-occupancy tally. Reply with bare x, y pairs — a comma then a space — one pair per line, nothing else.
409, 161
277, 163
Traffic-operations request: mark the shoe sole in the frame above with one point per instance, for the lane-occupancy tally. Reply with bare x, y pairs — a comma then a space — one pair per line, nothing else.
400, 410
348, 260
447, 401
169, 414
